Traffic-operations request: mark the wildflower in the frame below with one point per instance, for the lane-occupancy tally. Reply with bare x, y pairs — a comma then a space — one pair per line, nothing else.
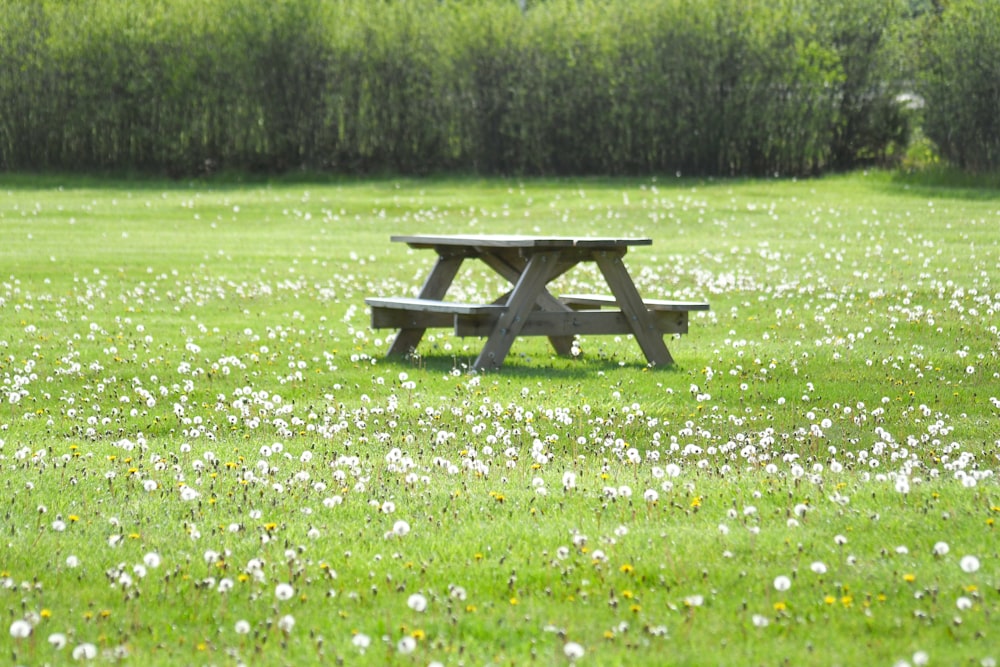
417, 602
400, 528
818, 567
941, 549
152, 560
57, 640
573, 651
406, 645
284, 591
969, 564
760, 621
782, 583
909, 578
20, 629
242, 627
286, 623
963, 603
361, 641
85, 651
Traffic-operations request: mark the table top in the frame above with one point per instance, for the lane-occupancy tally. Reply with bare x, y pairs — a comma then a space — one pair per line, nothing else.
517, 241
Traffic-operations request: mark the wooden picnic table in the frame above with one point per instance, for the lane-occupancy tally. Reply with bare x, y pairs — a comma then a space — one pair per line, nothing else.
530, 264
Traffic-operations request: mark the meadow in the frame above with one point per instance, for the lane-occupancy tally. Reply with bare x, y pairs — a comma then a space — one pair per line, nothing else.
207, 459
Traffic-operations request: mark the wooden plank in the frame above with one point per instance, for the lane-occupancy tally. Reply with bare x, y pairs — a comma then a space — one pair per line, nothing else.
434, 305
520, 303
574, 323
516, 241
602, 300
641, 320
510, 264
435, 287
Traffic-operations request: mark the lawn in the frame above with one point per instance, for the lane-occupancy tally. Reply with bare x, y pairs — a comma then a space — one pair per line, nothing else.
208, 459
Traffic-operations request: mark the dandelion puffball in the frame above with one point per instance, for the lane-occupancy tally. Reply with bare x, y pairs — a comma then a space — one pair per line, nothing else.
941, 548
573, 651
283, 591
20, 629
417, 602
782, 583
406, 645
969, 564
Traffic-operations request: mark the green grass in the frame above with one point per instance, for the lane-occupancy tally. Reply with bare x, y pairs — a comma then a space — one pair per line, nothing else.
160, 338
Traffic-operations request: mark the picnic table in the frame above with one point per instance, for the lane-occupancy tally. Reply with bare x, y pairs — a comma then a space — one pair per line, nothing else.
530, 264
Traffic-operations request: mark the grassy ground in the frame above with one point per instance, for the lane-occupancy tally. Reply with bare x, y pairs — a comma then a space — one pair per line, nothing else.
208, 460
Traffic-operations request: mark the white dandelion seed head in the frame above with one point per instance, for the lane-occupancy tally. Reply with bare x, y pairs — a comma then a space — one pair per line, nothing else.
85, 651
941, 549
417, 602
969, 564
573, 650
20, 629
406, 645
286, 623
284, 591
782, 583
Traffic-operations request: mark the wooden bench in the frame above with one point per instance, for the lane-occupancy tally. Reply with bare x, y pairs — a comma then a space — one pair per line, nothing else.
579, 301
477, 319
408, 313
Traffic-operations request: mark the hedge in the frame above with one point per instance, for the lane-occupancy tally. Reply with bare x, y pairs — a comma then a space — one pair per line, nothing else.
714, 87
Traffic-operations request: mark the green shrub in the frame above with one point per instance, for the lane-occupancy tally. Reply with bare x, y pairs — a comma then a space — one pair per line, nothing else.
961, 84
563, 87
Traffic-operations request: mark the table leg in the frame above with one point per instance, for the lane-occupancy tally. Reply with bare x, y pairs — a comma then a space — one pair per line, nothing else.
434, 287
523, 298
511, 267
643, 327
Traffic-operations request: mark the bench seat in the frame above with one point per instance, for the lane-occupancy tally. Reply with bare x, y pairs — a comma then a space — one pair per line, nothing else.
607, 301
475, 319
411, 313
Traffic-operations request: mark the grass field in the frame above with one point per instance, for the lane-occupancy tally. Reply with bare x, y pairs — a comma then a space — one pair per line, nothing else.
207, 459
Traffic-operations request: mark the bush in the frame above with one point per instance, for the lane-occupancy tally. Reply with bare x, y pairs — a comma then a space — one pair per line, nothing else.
563, 87
960, 83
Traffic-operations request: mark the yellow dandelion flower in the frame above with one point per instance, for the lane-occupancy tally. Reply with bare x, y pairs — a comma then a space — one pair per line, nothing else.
909, 578
627, 594
626, 569
780, 606
45, 613
829, 599
513, 601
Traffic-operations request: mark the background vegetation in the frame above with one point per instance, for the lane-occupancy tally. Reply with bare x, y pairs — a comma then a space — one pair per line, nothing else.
564, 87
